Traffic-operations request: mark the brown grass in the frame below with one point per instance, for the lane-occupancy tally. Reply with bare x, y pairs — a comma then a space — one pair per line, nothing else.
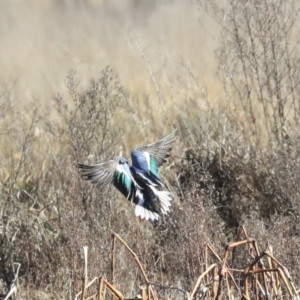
262, 275
82, 81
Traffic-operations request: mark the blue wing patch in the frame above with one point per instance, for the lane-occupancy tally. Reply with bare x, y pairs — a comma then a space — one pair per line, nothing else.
139, 160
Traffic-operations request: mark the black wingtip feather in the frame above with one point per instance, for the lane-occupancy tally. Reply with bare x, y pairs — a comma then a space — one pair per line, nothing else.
84, 169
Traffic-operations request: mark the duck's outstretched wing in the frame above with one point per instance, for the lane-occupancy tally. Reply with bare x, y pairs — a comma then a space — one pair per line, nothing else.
115, 171
103, 173
150, 157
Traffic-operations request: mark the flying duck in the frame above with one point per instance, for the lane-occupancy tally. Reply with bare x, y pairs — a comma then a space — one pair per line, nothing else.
140, 182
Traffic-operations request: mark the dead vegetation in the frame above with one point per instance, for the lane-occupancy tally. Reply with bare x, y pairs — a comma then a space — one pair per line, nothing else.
261, 276
236, 163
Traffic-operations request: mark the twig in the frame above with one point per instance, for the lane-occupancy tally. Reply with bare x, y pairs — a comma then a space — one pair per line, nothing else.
168, 287
147, 62
84, 275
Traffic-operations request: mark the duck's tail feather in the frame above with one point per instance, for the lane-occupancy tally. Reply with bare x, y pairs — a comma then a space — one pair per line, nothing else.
144, 213
164, 199
164, 205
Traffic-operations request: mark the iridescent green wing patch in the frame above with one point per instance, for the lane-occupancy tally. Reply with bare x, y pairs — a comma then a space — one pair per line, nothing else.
123, 179
153, 166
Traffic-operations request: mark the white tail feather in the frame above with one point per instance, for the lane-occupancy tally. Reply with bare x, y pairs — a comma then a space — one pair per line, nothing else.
164, 198
165, 202
144, 213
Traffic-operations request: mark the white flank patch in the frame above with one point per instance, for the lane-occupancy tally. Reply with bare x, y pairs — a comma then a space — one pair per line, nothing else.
140, 197
147, 155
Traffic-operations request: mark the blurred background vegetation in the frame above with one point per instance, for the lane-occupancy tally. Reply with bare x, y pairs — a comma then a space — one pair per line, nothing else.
82, 80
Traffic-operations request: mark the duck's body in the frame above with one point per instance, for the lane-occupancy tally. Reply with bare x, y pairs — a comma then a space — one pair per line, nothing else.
140, 182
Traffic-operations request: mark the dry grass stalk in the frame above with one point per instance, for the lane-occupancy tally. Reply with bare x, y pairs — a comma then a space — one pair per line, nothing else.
219, 279
12, 294
210, 268
103, 284
150, 290
258, 279
84, 275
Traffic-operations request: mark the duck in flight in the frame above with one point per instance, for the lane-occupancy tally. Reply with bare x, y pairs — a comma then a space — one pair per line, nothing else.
139, 182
